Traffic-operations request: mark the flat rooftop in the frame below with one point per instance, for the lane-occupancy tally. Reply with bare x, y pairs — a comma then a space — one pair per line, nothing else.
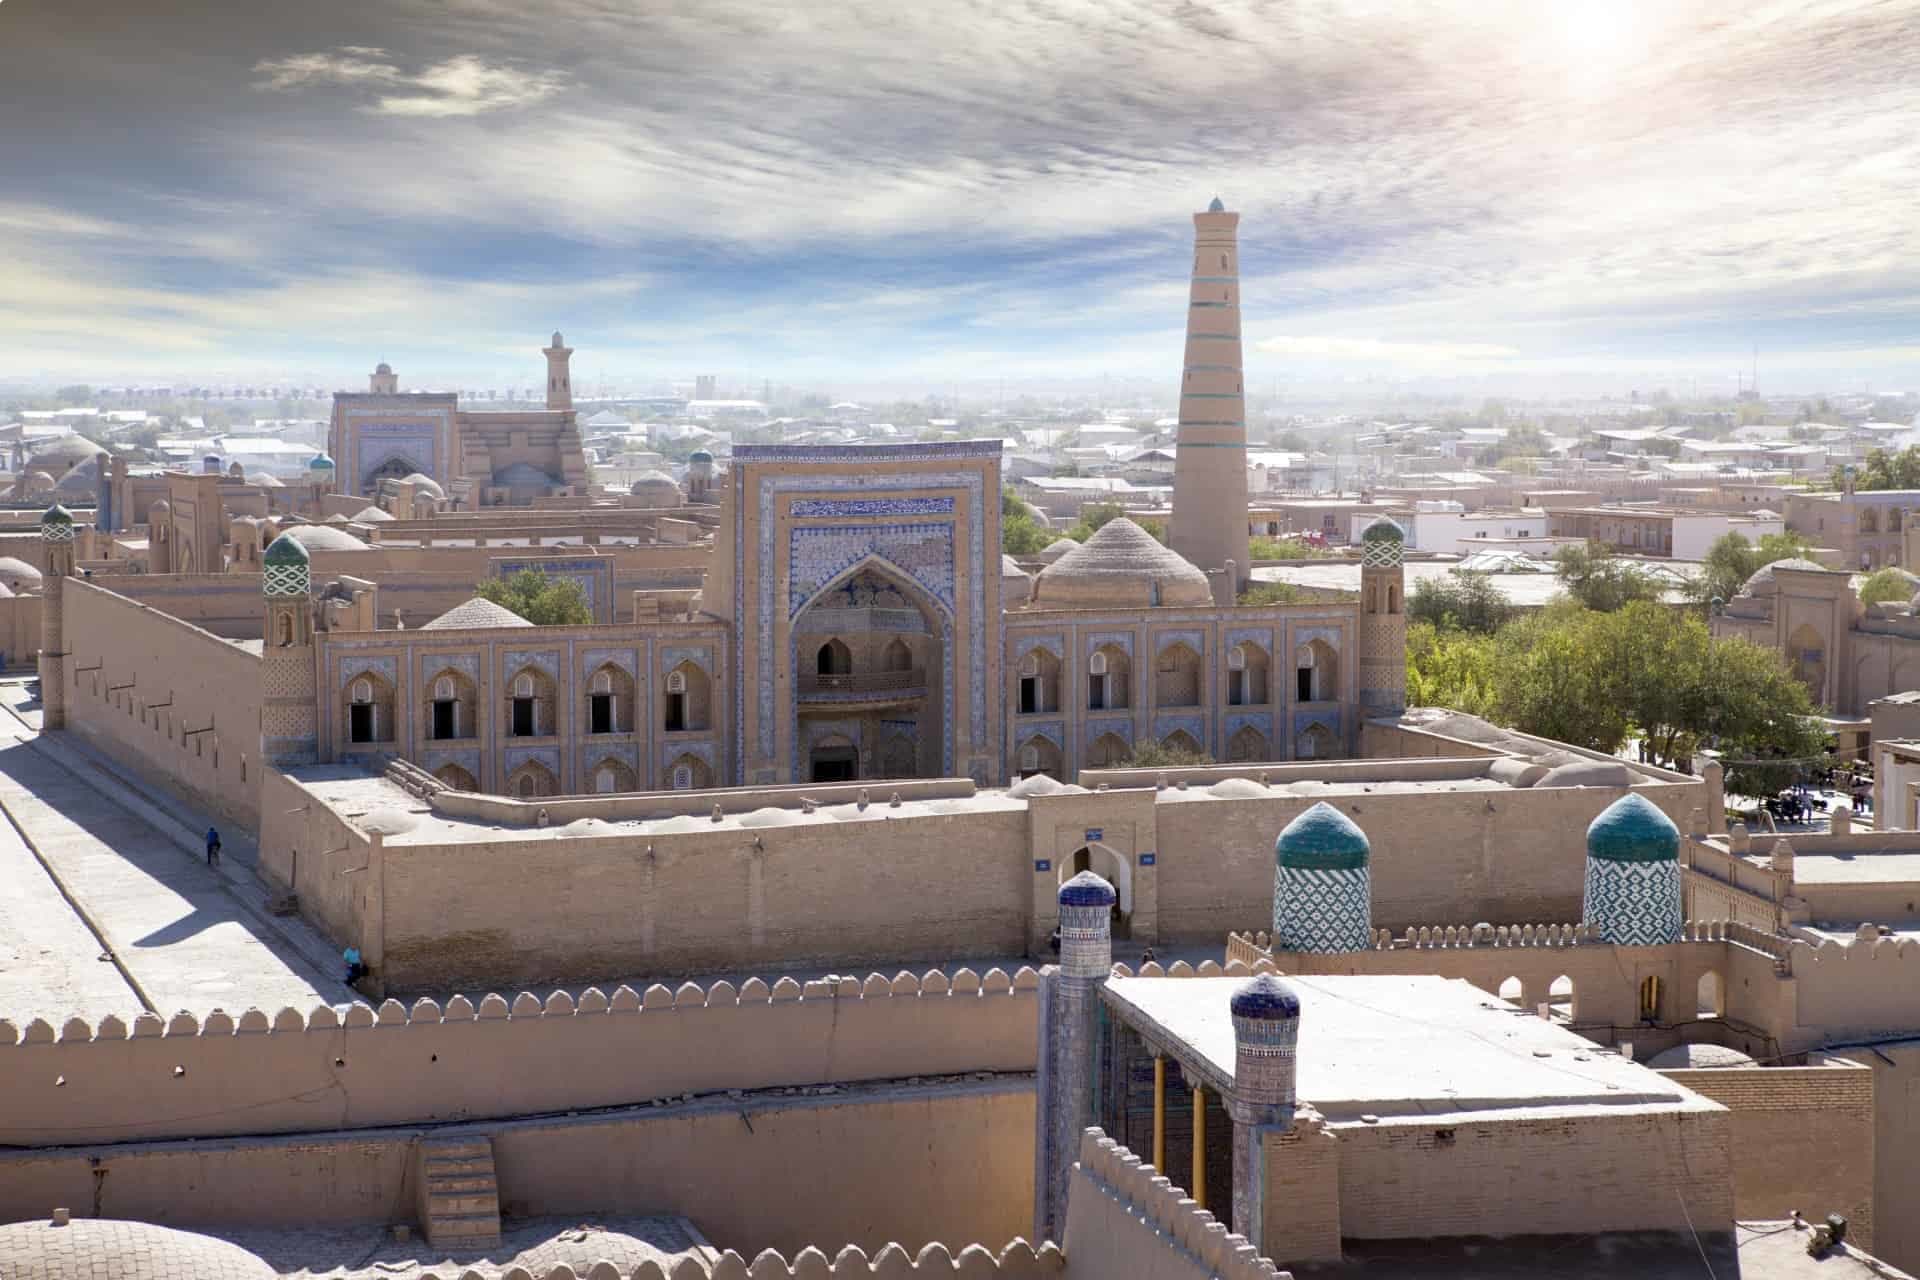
1527, 590
1407, 1048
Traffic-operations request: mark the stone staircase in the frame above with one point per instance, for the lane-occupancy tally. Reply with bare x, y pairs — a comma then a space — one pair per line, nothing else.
459, 1200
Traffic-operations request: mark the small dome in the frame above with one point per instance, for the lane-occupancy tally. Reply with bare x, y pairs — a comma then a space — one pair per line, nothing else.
700, 455
1057, 548
57, 456
1322, 839
522, 475
160, 508
1632, 829
388, 821
1237, 789
476, 615
261, 480
558, 341
88, 1247
1762, 583
1041, 784
38, 482
383, 367
1010, 570
424, 484
324, 537
1087, 890
657, 487
56, 515
1383, 530
287, 550
83, 478
320, 462
214, 458
1697, 1056
1215, 206
1264, 997
1121, 566
18, 574
372, 515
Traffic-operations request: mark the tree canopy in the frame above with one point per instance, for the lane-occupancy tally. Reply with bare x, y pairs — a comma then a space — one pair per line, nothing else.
1883, 470
1020, 533
542, 600
1261, 547
1459, 601
1884, 585
1732, 559
1592, 679
1595, 578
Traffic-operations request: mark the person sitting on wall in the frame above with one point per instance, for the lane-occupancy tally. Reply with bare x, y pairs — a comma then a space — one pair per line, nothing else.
355, 970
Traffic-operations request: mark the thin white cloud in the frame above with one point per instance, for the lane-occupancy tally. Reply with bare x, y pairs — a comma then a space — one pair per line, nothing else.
1376, 351
460, 86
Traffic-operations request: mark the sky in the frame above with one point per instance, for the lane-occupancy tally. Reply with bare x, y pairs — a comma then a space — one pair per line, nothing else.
864, 193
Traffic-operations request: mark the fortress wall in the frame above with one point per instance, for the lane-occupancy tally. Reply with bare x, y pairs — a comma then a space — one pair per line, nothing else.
288, 1073
211, 684
871, 889
1857, 990
1823, 1115
863, 1166
313, 857
19, 630
1127, 1221
1496, 855
509, 811
227, 604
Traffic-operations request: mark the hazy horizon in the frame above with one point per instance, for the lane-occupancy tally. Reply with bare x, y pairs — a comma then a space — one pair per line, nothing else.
1470, 199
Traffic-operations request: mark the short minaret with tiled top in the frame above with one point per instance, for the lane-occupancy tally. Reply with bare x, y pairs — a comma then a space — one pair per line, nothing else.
1383, 619
1210, 462
1633, 875
1266, 1036
289, 720
1322, 884
1069, 1025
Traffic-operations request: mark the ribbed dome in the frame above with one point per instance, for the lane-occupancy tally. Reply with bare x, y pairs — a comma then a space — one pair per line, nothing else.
1762, 583
1322, 839
476, 615
1010, 569
88, 1248
1120, 567
425, 484
1264, 997
1087, 890
1632, 829
322, 537
1057, 548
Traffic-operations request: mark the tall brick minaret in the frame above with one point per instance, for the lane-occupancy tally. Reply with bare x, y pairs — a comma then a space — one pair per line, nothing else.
559, 379
1210, 465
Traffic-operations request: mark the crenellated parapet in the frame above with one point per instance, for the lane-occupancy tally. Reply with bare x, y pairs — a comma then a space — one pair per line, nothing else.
358, 1065
1123, 1206
1016, 1261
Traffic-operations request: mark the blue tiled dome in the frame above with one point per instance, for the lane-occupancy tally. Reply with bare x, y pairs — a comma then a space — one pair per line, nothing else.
1087, 890
1216, 206
699, 455
56, 514
321, 462
1265, 997
1322, 839
1632, 829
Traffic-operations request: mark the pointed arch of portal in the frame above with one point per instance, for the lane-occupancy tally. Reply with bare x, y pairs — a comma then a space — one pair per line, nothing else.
940, 621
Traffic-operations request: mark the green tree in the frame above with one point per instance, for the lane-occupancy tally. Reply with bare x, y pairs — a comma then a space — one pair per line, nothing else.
1094, 517
1155, 755
1273, 593
1447, 668
1732, 559
1883, 470
1885, 585
1020, 533
1264, 548
542, 600
1595, 578
1459, 602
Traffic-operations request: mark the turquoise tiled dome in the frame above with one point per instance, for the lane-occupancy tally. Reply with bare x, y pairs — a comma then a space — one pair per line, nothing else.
1322, 839
286, 550
1383, 530
56, 515
1632, 829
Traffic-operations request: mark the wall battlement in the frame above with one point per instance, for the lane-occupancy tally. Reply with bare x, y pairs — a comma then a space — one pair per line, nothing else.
1017, 1261
1123, 1205
361, 1066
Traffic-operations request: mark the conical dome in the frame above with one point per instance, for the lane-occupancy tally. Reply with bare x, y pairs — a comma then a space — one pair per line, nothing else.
1265, 997
1087, 890
286, 550
1322, 839
1632, 829
1120, 566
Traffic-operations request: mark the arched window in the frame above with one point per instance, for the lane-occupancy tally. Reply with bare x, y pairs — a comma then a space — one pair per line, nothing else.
603, 781
286, 630
362, 726
1650, 992
834, 659
687, 704
1709, 996
602, 704
446, 709
682, 777
525, 707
